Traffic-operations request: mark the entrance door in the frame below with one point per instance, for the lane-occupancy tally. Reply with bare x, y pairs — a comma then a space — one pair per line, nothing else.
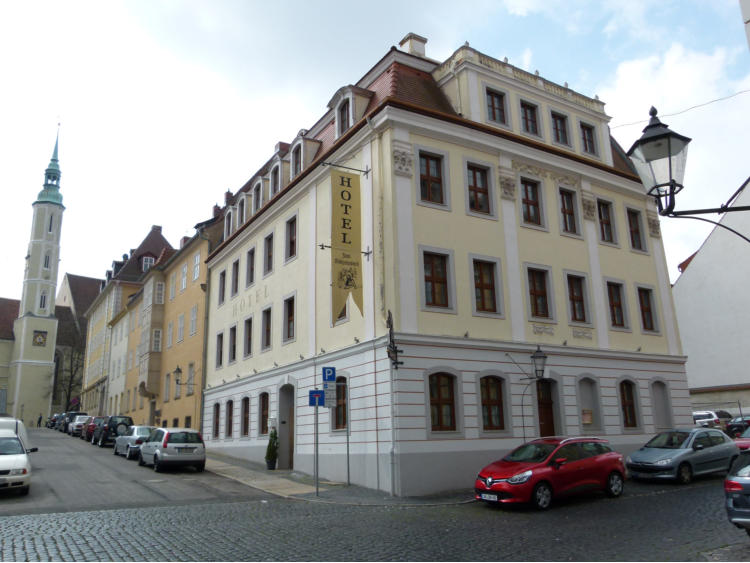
286, 427
545, 407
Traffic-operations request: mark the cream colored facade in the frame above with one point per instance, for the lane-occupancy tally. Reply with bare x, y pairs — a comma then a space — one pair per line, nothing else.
547, 217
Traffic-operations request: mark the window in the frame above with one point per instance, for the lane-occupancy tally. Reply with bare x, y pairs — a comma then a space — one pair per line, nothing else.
576, 297
188, 421
245, 425
491, 388
560, 128
229, 419
442, 405
43, 300
219, 349
183, 277
529, 122
436, 279
568, 216
222, 285
266, 327
588, 395
193, 320
616, 310
289, 319
296, 160
538, 293
250, 268
479, 198
263, 410
235, 277
241, 211
190, 379
159, 293
431, 178
634, 226
627, 403
156, 346
232, 344
530, 202
172, 285
484, 286
275, 176
646, 300
46, 261
291, 238
227, 225
175, 422
148, 261
587, 139
167, 385
170, 331
51, 223
181, 328
660, 406
606, 231
257, 195
343, 114
341, 407
196, 266
495, 106
268, 255
248, 348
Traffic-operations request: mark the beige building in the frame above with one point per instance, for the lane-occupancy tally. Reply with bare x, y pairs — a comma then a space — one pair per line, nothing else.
440, 222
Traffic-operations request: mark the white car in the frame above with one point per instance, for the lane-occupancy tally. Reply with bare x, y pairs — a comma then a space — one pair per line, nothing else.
174, 447
15, 469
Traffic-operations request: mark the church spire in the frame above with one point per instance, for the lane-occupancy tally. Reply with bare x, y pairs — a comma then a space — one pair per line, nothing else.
51, 191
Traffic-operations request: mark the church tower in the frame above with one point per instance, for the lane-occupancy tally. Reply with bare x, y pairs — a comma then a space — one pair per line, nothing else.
35, 330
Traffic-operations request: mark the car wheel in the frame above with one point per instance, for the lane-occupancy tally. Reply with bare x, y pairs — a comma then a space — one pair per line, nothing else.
615, 485
684, 474
140, 459
157, 467
93, 441
23, 491
542, 496
128, 453
200, 467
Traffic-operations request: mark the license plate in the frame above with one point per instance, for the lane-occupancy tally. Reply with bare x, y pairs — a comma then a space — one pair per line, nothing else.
185, 450
487, 496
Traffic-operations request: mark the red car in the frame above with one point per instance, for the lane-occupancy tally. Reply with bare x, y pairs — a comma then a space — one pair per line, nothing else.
549, 467
88, 431
743, 440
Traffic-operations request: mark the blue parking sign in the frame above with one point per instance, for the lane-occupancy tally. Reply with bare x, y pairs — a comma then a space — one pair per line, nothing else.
329, 374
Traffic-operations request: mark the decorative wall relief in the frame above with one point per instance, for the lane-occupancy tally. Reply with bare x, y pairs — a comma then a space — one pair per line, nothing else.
654, 228
582, 333
589, 206
524, 168
507, 183
543, 329
403, 159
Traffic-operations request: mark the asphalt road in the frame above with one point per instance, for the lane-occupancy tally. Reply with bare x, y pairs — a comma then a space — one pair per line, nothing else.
88, 505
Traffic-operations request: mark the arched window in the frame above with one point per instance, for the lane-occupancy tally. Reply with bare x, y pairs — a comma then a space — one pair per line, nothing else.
341, 406
257, 195
660, 402
493, 417
263, 411
275, 177
627, 404
296, 160
241, 212
588, 397
228, 225
217, 415
442, 402
229, 419
43, 300
343, 117
245, 416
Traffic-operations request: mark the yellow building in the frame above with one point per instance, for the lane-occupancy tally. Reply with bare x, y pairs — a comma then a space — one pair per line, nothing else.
436, 225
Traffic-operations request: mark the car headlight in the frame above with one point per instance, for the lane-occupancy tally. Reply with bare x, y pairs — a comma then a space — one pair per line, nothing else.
21, 471
520, 478
664, 461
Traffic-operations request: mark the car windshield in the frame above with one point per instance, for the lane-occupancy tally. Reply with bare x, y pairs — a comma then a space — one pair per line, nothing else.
702, 416
184, 438
531, 452
10, 446
143, 430
669, 440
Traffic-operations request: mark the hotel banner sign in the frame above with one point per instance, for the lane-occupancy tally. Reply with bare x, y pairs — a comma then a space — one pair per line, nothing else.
346, 241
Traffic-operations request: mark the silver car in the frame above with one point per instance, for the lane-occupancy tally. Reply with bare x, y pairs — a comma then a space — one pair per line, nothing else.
173, 447
129, 444
75, 427
683, 453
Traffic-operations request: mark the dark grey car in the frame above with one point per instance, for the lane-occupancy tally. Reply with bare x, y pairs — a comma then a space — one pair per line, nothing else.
129, 444
683, 453
737, 492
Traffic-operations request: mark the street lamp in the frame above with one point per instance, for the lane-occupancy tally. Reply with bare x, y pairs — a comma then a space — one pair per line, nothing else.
659, 158
539, 359
177, 375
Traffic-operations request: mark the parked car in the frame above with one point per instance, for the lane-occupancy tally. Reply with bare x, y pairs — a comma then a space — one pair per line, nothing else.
59, 421
719, 418
738, 425
111, 427
76, 427
15, 469
173, 447
737, 492
68, 417
539, 470
682, 454
51, 420
88, 433
743, 440
129, 444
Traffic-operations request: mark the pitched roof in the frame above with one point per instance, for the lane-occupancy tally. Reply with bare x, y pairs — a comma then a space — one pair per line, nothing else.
83, 291
152, 245
8, 313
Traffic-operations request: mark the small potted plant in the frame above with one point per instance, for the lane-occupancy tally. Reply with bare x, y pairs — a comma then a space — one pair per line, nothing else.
272, 451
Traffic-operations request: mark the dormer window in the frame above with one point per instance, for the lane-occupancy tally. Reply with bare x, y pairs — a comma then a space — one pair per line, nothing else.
296, 161
257, 195
241, 212
228, 225
343, 117
148, 261
275, 177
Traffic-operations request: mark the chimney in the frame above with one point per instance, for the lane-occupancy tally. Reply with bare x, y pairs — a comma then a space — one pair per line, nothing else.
227, 197
413, 44
184, 241
156, 228
217, 211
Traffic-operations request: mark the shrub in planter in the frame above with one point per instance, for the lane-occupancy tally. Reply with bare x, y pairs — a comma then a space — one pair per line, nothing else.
272, 451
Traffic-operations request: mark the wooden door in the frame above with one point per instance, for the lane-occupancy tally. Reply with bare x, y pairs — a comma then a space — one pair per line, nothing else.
545, 407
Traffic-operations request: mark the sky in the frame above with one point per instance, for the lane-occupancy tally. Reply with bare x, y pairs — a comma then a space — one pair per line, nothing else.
164, 105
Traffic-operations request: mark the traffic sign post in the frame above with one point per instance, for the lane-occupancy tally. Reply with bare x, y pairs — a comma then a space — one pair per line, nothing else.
317, 398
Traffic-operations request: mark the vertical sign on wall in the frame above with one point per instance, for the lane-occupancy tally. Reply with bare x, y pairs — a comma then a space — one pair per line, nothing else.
346, 241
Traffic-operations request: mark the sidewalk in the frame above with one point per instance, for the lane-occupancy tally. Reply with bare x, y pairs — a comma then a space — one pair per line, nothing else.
298, 486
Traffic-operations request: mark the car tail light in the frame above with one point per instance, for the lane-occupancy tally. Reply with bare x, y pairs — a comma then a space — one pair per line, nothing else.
732, 486
166, 439
716, 421
138, 441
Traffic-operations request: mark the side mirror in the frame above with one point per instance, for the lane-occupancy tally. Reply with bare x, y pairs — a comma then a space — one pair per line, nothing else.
698, 447
32, 450
559, 461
